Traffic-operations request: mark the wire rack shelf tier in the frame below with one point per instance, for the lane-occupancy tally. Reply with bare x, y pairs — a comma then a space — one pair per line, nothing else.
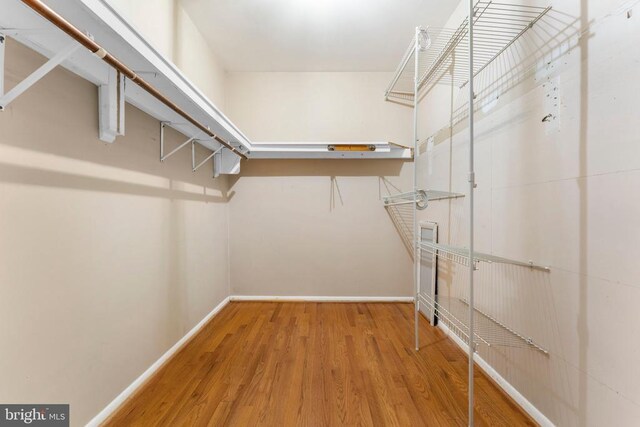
420, 197
496, 25
454, 313
461, 256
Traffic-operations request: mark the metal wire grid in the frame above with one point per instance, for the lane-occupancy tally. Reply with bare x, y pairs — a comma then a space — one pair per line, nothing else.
442, 195
418, 197
401, 87
400, 209
496, 27
447, 252
454, 313
402, 217
461, 256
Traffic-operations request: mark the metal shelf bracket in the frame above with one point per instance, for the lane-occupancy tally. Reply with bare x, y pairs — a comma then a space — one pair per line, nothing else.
163, 156
195, 167
225, 162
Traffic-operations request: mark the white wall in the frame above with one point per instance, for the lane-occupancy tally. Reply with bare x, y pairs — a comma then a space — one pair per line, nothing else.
323, 106
168, 27
157, 21
197, 61
317, 228
561, 194
108, 256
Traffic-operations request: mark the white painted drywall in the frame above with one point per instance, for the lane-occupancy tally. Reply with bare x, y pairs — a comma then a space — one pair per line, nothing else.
155, 20
168, 27
196, 60
320, 106
317, 228
108, 256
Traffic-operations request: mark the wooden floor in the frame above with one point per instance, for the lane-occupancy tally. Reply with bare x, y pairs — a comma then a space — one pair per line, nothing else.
316, 364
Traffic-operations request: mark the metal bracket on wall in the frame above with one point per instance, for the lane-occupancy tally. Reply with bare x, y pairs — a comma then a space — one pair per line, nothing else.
195, 167
163, 156
33, 78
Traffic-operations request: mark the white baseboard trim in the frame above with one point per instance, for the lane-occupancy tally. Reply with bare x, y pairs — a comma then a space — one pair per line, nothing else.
528, 407
131, 389
318, 298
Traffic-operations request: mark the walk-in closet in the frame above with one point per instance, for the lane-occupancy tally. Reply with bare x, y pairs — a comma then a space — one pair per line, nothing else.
319, 213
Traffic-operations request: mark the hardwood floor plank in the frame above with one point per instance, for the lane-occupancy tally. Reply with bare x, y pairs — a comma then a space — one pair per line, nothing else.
316, 364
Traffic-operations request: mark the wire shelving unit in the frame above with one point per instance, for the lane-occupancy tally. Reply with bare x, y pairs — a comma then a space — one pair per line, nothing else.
456, 56
496, 27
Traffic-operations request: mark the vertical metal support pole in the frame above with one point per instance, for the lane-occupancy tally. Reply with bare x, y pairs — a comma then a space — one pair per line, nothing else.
3, 42
472, 185
121, 98
162, 124
415, 185
193, 156
217, 164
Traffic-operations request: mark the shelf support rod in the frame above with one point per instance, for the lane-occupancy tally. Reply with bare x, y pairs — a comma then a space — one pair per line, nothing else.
472, 185
38, 74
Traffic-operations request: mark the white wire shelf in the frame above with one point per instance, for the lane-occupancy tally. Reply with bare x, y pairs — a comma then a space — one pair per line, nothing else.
420, 197
461, 256
442, 195
454, 313
445, 58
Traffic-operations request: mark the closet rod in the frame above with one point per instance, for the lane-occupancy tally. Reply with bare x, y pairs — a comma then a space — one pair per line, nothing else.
57, 20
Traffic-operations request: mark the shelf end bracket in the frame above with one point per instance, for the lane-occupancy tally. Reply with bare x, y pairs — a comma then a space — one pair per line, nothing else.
111, 97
